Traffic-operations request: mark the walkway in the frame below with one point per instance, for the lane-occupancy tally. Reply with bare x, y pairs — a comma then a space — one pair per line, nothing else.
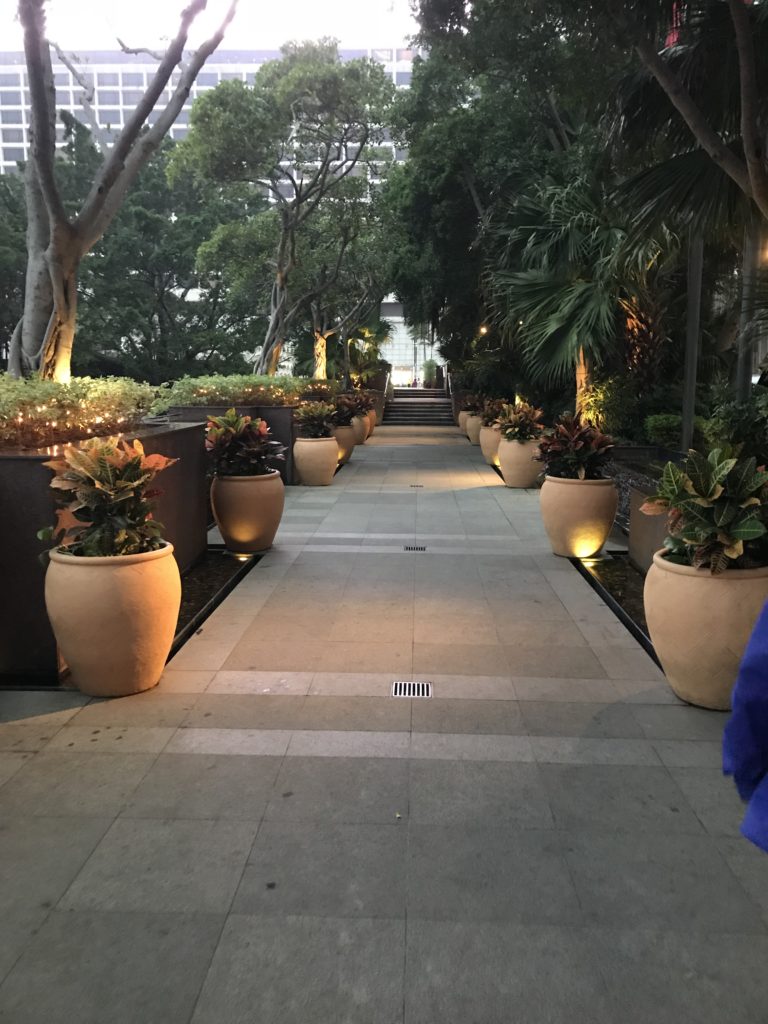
269, 838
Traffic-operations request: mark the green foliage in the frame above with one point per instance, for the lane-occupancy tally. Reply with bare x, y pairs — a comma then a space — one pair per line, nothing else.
104, 502
665, 429
36, 413
472, 404
575, 450
492, 410
345, 410
716, 509
241, 446
520, 422
316, 419
429, 369
741, 425
12, 256
231, 389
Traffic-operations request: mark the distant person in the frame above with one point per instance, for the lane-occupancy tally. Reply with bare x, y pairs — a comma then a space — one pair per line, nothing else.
415, 382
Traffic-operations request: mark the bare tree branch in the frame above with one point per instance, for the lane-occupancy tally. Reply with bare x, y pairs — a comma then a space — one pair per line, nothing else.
136, 50
86, 98
750, 129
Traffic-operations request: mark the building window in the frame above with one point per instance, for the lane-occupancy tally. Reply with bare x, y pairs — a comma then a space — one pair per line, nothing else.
207, 78
133, 78
12, 155
131, 96
10, 117
13, 135
385, 56
111, 116
403, 78
108, 78
10, 99
108, 97
180, 133
405, 54
9, 80
63, 98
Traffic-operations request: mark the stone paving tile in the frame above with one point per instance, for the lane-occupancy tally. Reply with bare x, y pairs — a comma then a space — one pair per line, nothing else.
293, 969
322, 870
132, 739
331, 790
230, 741
589, 751
554, 718
689, 753
81, 784
714, 799
468, 716
18, 737
10, 763
497, 973
556, 661
351, 684
463, 747
205, 786
286, 683
185, 680
327, 743
681, 723
143, 709
124, 968
748, 864
40, 708
164, 866
244, 711
565, 690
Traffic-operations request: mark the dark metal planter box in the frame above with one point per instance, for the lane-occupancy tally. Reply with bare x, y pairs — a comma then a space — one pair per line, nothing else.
27, 647
646, 533
279, 418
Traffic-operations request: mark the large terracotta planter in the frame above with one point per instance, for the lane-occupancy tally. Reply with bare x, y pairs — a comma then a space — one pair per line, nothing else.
700, 624
516, 462
371, 415
489, 444
248, 510
463, 417
316, 459
474, 426
345, 438
578, 514
114, 618
361, 429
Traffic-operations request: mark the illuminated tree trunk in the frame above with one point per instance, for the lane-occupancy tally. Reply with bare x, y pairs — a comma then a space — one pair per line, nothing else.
583, 379
321, 356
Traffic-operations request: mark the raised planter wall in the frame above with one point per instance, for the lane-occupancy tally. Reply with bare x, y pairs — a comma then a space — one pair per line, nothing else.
28, 654
646, 533
279, 418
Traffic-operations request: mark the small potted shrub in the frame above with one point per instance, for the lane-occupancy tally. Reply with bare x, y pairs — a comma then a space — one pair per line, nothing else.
361, 424
247, 493
470, 405
112, 588
316, 451
578, 503
489, 431
345, 412
707, 586
520, 429
474, 422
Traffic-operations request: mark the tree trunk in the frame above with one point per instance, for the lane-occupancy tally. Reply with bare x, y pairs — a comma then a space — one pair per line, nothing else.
274, 358
583, 379
38, 288
56, 359
321, 356
743, 382
692, 343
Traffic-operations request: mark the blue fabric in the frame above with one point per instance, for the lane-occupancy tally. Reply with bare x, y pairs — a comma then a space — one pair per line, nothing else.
745, 741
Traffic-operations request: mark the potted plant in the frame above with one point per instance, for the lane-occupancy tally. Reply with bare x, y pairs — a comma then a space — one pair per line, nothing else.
708, 584
474, 421
489, 431
470, 405
578, 503
247, 493
112, 588
361, 424
316, 451
345, 411
520, 428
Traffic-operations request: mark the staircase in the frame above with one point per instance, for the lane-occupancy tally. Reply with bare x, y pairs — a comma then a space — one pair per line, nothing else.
419, 407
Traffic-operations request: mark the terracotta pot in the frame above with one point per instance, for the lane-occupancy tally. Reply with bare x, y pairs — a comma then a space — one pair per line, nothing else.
489, 444
316, 459
345, 438
248, 510
361, 429
371, 414
114, 618
474, 426
700, 625
463, 417
578, 514
516, 462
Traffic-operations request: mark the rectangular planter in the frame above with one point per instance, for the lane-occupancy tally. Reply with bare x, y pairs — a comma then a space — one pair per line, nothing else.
646, 533
27, 648
279, 418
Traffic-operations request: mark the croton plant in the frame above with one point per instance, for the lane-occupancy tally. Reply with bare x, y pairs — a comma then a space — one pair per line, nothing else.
105, 505
717, 509
241, 446
575, 449
520, 422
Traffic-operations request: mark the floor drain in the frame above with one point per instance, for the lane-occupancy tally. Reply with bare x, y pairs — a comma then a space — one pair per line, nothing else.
421, 486
411, 689
413, 547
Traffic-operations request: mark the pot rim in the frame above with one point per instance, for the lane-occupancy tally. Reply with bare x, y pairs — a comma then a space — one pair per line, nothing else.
331, 438
530, 440
603, 482
89, 561
688, 570
270, 475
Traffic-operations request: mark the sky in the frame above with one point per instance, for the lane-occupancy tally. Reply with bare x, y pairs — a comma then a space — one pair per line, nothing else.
259, 24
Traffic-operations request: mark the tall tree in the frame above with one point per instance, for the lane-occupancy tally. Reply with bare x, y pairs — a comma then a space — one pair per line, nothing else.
308, 123
56, 240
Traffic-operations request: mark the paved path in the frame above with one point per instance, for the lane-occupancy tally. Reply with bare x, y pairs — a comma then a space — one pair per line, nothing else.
270, 838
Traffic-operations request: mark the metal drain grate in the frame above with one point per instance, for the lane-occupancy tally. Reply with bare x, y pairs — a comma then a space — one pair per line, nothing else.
418, 486
411, 689
413, 547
